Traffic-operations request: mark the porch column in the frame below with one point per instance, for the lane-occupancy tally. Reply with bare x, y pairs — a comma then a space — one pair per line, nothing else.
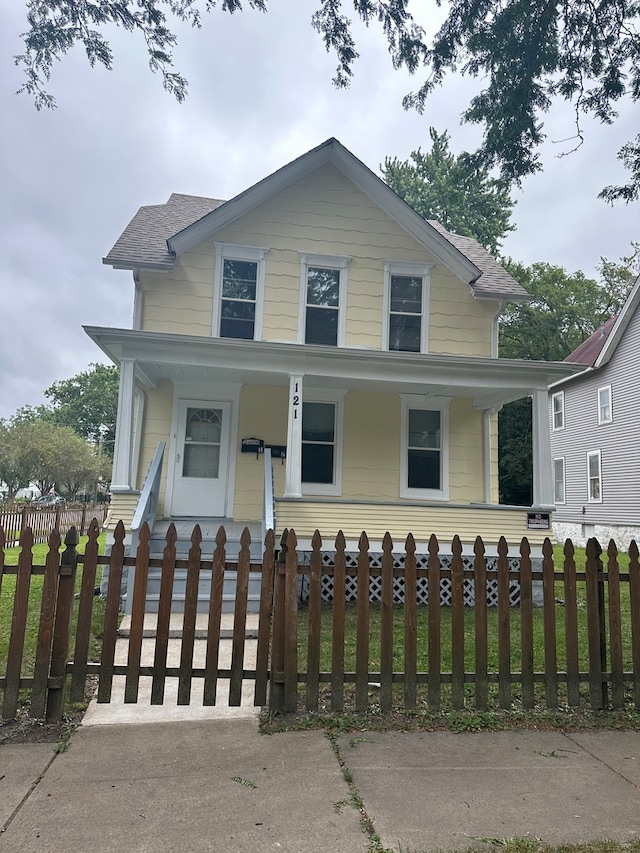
123, 447
293, 475
542, 479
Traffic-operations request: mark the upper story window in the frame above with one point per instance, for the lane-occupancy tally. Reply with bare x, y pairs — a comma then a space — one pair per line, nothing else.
558, 481
557, 410
406, 303
424, 467
239, 291
605, 413
323, 300
594, 477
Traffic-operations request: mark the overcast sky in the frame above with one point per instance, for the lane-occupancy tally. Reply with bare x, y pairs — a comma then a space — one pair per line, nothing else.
260, 95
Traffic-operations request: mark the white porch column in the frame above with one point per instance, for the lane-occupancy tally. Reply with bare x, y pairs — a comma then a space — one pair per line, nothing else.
123, 448
542, 479
293, 475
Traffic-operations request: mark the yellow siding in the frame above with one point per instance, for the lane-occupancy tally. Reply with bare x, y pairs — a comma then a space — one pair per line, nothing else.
323, 213
157, 427
371, 445
377, 518
263, 414
122, 507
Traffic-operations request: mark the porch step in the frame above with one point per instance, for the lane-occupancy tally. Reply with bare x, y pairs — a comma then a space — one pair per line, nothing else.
209, 528
176, 622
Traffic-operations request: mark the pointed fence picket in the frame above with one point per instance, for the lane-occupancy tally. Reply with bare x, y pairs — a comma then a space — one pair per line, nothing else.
313, 654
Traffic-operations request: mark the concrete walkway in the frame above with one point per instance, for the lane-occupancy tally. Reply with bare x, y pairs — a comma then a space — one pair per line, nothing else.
218, 785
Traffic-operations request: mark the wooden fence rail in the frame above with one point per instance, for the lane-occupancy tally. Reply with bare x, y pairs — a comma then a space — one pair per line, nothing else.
581, 647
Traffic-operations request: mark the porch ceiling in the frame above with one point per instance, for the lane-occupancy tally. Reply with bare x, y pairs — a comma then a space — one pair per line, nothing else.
489, 382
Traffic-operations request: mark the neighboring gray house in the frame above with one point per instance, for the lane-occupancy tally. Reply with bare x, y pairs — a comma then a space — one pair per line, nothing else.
595, 435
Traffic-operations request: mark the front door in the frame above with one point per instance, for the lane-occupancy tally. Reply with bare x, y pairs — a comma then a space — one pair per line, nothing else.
201, 460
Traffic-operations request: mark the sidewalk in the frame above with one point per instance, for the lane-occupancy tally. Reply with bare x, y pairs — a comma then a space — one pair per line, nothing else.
218, 785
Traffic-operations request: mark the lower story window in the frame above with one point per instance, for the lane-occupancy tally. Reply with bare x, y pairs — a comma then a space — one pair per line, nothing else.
318, 442
594, 477
424, 450
558, 481
424, 463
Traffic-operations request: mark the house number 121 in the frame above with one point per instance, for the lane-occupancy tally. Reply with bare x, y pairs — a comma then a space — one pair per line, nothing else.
296, 402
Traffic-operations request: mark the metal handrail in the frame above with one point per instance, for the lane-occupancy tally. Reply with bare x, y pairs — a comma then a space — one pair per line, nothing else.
268, 505
147, 505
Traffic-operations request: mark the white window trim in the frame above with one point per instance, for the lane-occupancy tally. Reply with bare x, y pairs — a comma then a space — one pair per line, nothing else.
330, 262
230, 252
564, 480
596, 453
401, 268
337, 398
560, 396
610, 418
432, 404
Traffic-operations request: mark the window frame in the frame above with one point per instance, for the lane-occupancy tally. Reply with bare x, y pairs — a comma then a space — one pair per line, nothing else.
336, 398
400, 268
231, 252
596, 454
327, 262
559, 395
429, 404
556, 500
602, 420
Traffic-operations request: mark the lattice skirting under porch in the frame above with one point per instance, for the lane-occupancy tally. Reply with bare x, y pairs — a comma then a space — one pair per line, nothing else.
375, 583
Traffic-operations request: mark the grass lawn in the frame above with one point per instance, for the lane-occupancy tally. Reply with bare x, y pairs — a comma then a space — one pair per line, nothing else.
469, 620
35, 596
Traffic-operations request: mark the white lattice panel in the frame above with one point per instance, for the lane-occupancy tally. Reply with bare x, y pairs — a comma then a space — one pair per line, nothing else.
375, 583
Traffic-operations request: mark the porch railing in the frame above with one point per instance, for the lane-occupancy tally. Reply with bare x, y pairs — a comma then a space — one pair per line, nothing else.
268, 504
147, 506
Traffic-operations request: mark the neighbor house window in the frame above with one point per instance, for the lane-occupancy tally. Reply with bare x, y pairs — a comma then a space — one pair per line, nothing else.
239, 292
558, 481
323, 300
594, 477
321, 445
406, 297
557, 408
424, 464
605, 415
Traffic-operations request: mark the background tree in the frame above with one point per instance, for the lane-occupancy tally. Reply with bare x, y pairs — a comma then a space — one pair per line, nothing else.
88, 403
16, 457
566, 308
527, 54
455, 191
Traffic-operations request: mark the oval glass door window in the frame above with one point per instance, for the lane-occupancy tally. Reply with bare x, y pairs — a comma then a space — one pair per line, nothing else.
202, 439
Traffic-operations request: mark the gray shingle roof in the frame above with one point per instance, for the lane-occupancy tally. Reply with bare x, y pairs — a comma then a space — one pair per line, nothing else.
144, 241
495, 280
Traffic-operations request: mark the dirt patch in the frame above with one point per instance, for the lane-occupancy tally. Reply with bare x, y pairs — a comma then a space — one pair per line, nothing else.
24, 729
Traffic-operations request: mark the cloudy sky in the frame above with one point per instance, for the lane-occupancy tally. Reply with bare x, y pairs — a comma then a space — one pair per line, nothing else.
260, 95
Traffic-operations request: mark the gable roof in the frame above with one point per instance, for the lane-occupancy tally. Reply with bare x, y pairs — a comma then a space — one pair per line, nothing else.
589, 350
599, 347
159, 233
143, 243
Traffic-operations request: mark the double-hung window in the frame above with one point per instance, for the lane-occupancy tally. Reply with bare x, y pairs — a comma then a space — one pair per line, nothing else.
406, 303
323, 299
239, 289
594, 477
558, 481
557, 410
424, 467
322, 444
605, 415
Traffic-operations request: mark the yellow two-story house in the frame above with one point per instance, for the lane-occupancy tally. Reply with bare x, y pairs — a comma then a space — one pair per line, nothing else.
317, 322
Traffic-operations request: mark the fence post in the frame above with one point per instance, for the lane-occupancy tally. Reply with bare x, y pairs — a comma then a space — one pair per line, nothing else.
23, 520
276, 691
595, 625
62, 627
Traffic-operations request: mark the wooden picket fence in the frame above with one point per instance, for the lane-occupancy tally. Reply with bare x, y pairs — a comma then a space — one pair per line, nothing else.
303, 646
43, 520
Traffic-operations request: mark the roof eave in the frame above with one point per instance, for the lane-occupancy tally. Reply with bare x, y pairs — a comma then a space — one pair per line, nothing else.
120, 264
